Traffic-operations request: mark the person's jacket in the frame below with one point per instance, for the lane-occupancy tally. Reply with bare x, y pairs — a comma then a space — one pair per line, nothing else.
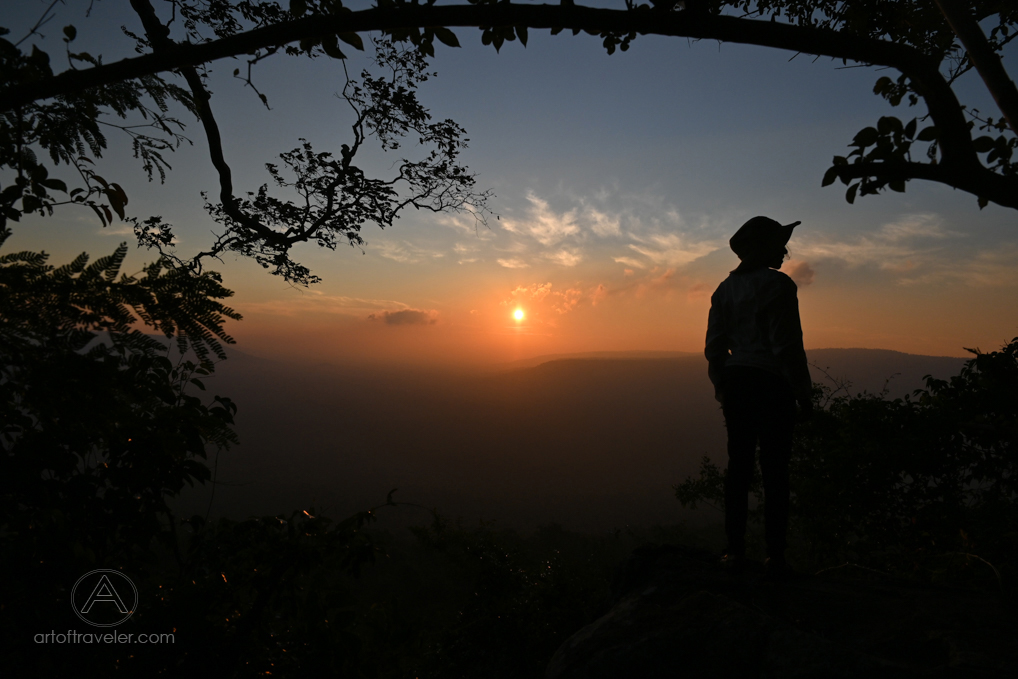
754, 321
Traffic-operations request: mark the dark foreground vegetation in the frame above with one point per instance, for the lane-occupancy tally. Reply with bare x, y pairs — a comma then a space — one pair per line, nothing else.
924, 486
100, 428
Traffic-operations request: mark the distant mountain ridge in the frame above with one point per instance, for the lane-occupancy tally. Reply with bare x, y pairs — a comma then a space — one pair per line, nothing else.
864, 370
871, 369
596, 355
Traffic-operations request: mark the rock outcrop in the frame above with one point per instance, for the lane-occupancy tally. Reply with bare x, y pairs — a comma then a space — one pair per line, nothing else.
677, 614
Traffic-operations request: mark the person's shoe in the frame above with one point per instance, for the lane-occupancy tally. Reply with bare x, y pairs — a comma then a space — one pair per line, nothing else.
733, 564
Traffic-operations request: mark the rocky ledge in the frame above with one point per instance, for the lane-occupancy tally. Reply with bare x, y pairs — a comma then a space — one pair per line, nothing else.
676, 614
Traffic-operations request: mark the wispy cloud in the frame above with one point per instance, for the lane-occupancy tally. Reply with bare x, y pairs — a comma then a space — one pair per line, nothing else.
314, 301
533, 292
538, 295
543, 224
406, 317
406, 252
903, 245
670, 249
513, 263
603, 224
567, 300
799, 271
565, 257
466, 224
629, 261
918, 250
985, 268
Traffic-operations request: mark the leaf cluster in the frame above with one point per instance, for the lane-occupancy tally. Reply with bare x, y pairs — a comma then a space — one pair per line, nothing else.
99, 428
336, 198
889, 142
69, 130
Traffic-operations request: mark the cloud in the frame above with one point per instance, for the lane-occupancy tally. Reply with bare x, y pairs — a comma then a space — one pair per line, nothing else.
119, 230
698, 291
629, 261
986, 268
406, 252
565, 257
513, 263
533, 292
314, 301
598, 295
543, 224
567, 300
799, 271
465, 224
671, 249
602, 224
406, 317
661, 282
918, 250
903, 245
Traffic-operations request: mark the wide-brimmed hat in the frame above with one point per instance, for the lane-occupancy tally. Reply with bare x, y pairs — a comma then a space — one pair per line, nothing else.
759, 235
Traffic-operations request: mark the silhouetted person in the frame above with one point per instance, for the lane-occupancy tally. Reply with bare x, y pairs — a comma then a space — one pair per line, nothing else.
758, 367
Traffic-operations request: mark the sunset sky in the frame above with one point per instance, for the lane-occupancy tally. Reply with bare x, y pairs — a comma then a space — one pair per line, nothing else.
618, 181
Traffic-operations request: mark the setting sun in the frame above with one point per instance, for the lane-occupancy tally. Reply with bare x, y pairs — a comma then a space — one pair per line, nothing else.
518, 314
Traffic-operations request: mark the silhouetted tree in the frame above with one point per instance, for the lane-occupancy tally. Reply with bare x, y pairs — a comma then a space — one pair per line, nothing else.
101, 426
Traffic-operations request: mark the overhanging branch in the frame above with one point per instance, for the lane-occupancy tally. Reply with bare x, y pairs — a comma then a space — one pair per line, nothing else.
956, 143
981, 182
985, 59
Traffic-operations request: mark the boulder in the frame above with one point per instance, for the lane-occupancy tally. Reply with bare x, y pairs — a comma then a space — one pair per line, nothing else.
677, 614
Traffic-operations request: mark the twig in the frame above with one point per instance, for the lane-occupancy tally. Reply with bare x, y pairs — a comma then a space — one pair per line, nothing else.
43, 20
1000, 582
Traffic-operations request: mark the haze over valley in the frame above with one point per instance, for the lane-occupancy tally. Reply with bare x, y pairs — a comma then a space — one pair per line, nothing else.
594, 442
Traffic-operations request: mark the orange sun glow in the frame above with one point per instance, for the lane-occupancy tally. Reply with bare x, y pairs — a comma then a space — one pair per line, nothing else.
518, 314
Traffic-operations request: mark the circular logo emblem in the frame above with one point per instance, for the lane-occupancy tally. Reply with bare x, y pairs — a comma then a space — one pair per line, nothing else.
104, 598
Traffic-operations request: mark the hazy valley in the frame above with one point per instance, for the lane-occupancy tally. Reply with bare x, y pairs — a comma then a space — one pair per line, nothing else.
593, 442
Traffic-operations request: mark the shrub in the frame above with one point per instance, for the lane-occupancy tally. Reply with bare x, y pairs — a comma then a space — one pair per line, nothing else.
924, 485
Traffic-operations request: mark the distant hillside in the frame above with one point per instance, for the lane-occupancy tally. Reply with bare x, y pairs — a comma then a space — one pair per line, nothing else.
867, 370
590, 442
870, 369
609, 355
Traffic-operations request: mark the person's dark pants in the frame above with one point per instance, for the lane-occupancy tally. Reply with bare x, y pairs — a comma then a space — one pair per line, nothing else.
759, 406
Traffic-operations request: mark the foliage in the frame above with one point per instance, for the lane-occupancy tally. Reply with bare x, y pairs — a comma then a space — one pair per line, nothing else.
906, 485
512, 601
92, 408
70, 129
335, 198
99, 427
270, 595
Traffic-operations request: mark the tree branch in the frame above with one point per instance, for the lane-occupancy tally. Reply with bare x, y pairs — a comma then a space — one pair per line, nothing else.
158, 36
982, 182
923, 71
985, 59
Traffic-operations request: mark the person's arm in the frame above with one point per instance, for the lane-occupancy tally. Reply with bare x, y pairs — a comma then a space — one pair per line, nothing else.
716, 349
786, 342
